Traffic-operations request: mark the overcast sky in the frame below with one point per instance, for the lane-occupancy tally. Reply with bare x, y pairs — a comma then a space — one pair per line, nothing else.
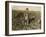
31, 8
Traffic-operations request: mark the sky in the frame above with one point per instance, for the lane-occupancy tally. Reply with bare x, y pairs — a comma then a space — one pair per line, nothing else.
31, 8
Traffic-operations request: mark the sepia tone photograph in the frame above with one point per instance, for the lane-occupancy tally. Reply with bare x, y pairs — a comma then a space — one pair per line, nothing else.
26, 17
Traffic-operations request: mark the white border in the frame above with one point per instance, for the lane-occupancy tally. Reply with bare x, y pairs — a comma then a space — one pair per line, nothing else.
24, 31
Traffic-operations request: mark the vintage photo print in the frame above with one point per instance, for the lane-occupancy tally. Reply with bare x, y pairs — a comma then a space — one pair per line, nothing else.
26, 18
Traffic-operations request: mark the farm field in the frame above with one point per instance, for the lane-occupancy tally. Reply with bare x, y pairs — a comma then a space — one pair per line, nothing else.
26, 20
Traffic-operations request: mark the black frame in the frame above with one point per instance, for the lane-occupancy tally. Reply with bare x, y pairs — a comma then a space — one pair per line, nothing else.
7, 17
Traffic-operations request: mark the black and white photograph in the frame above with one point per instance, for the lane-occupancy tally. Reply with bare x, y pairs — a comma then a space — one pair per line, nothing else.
25, 18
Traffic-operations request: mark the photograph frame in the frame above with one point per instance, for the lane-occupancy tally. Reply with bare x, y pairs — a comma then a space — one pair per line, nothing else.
7, 17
